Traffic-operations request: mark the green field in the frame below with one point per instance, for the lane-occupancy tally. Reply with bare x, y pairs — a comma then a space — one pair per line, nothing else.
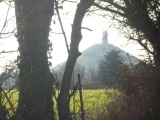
93, 100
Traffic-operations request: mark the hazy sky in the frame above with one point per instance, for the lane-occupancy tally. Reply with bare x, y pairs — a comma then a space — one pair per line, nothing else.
59, 53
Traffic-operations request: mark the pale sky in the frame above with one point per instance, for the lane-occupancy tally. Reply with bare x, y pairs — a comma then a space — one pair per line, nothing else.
59, 53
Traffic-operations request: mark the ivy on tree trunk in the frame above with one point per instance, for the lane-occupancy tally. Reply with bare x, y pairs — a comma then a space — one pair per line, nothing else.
33, 19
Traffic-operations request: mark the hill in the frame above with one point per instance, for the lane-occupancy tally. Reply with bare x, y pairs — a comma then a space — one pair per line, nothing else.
95, 53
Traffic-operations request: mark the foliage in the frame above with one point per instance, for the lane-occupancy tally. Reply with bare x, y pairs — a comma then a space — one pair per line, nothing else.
109, 67
139, 18
139, 87
143, 89
141, 21
139, 84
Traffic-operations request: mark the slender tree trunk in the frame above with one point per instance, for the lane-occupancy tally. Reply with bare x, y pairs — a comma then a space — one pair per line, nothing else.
33, 19
63, 104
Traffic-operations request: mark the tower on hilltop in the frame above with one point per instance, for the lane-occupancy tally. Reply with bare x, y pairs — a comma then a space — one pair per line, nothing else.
105, 37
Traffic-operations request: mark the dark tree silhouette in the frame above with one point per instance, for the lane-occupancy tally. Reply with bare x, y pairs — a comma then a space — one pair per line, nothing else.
140, 18
35, 94
76, 36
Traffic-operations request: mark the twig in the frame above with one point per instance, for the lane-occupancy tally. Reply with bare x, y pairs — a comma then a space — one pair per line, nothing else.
59, 18
5, 23
8, 51
86, 28
80, 95
7, 99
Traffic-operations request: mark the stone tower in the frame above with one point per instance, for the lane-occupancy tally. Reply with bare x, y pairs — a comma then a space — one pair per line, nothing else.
105, 37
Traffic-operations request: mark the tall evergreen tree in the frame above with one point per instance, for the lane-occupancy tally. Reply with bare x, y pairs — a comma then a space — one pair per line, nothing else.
109, 67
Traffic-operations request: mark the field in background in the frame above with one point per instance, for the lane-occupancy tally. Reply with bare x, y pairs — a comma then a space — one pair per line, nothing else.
93, 101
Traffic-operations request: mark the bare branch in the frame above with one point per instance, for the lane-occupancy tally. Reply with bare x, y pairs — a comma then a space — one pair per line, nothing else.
108, 9
86, 28
5, 23
8, 51
114, 4
60, 21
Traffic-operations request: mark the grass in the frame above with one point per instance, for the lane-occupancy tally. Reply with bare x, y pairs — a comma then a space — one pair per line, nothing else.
13, 98
92, 99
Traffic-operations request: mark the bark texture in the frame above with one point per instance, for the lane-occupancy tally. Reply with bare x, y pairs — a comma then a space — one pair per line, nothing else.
76, 36
33, 19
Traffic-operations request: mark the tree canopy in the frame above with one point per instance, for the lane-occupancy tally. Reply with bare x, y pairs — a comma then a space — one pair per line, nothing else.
109, 67
139, 20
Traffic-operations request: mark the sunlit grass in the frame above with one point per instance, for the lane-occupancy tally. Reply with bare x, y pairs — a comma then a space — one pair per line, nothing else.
92, 99
10, 100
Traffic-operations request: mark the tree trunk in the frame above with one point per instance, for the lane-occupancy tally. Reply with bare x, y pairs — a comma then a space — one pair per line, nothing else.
63, 104
33, 19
